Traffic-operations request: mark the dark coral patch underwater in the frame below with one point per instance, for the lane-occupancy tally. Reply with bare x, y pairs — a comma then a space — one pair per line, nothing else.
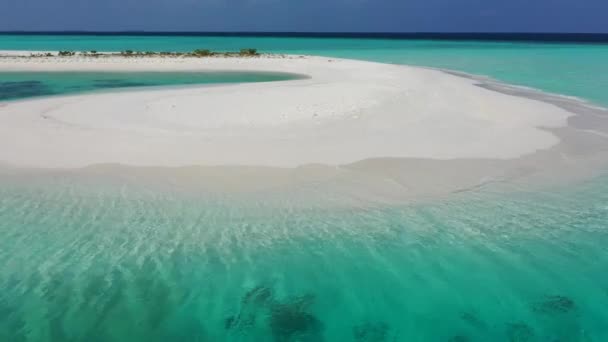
371, 332
519, 332
23, 89
554, 305
288, 320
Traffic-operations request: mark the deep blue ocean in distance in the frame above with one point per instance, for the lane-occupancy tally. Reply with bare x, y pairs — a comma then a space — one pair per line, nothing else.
483, 36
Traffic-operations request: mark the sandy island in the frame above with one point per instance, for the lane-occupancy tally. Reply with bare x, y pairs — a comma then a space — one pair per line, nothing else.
396, 122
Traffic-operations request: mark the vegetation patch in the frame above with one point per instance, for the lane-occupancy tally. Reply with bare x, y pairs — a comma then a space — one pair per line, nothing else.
198, 53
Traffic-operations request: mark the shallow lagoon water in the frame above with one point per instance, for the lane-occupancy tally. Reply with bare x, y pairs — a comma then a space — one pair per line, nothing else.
19, 85
120, 263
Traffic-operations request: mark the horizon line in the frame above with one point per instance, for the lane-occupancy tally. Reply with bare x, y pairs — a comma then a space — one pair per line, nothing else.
574, 37
308, 32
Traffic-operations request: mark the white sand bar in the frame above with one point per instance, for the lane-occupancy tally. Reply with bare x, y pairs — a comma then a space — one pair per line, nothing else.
345, 112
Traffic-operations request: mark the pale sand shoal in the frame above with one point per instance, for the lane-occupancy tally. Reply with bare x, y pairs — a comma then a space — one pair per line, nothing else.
354, 133
347, 111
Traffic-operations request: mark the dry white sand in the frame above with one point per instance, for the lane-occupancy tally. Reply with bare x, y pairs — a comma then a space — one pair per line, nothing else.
345, 112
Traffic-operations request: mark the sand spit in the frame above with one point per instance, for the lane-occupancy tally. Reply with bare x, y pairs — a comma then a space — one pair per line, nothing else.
394, 129
346, 112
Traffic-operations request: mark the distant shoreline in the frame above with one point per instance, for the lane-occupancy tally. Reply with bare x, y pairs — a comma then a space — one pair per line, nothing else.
455, 36
198, 53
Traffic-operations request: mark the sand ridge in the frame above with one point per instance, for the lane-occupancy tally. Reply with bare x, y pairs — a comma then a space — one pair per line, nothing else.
346, 111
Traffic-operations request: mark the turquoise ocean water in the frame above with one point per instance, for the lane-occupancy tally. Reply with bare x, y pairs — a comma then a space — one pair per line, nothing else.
121, 263
84, 262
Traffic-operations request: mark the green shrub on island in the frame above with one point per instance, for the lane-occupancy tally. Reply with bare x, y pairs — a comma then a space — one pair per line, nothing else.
249, 52
171, 54
47, 54
202, 52
132, 53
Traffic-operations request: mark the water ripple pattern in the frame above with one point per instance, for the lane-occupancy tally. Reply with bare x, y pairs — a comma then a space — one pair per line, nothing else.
85, 263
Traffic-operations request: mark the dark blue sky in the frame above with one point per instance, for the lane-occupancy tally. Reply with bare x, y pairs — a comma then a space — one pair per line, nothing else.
307, 15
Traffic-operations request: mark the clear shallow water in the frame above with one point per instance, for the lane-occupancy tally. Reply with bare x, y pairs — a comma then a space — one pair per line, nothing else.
88, 263
571, 69
19, 85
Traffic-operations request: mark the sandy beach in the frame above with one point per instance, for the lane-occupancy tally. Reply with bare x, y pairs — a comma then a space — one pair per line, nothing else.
358, 115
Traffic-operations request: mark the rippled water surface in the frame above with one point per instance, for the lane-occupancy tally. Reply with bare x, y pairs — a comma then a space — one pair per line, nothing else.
108, 263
